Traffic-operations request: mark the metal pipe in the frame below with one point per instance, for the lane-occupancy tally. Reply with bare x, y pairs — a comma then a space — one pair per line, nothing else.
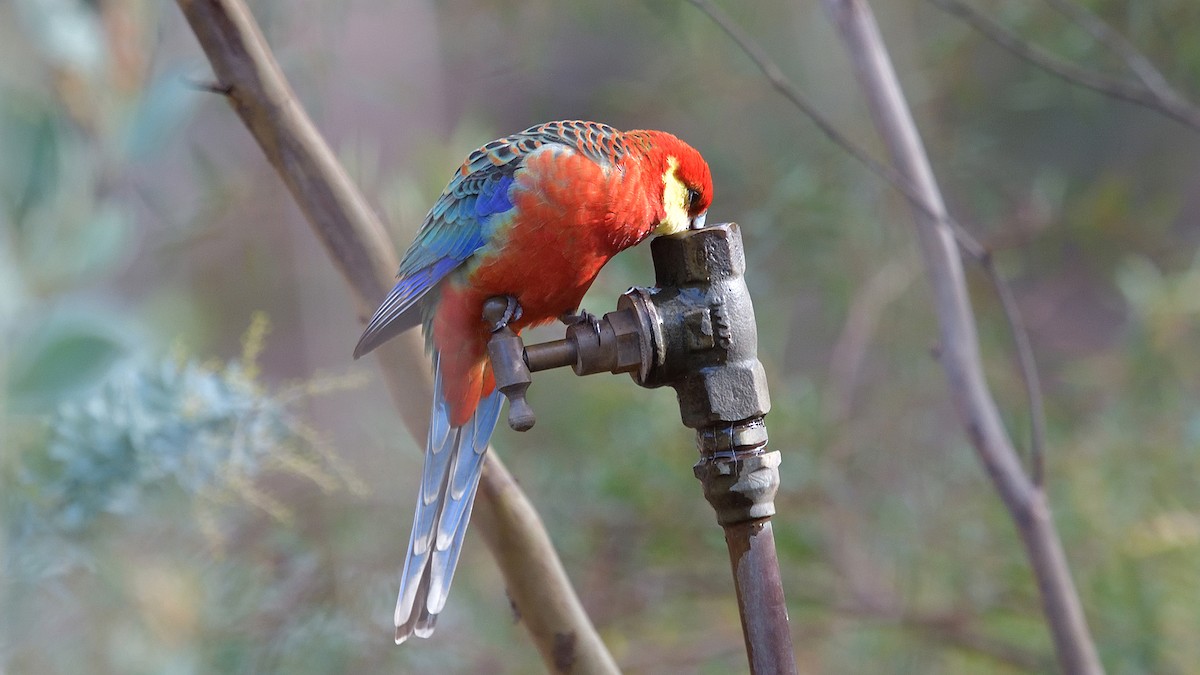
547, 355
760, 597
740, 478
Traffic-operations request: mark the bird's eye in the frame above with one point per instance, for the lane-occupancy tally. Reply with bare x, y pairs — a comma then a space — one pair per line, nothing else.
693, 197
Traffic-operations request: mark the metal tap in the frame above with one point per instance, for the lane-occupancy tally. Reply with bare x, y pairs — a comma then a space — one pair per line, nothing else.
694, 331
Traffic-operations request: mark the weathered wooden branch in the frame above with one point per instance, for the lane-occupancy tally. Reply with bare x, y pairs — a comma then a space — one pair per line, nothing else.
251, 80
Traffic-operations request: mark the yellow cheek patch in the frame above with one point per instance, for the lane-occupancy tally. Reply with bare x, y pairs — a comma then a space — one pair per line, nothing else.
675, 196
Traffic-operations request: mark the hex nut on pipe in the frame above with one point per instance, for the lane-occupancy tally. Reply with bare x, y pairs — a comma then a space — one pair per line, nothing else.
740, 489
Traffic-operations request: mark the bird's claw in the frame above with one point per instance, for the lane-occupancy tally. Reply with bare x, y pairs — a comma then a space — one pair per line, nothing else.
572, 319
501, 317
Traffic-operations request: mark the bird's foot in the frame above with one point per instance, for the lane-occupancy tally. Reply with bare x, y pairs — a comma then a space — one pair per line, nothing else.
499, 311
581, 316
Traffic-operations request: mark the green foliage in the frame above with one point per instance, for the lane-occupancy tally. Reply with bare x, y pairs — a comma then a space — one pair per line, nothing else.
147, 435
149, 427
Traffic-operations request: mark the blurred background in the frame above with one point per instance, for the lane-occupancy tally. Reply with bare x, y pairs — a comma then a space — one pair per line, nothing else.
196, 478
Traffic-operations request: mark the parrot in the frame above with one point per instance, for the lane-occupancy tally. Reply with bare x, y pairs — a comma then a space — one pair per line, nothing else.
530, 218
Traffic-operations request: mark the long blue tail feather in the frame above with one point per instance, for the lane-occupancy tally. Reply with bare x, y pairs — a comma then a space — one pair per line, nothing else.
453, 463
469, 465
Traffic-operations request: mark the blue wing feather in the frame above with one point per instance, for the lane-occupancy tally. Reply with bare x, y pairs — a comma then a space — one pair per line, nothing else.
457, 226
474, 204
494, 198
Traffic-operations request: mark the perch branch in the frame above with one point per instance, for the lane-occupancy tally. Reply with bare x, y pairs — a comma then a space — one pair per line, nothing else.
960, 357
251, 80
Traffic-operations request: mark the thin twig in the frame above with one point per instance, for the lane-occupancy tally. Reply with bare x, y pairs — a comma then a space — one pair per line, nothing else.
791, 92
1106, 35
968, 640
849, 350
1175, 107
1027, 366
359, 247
960, 358
953, 629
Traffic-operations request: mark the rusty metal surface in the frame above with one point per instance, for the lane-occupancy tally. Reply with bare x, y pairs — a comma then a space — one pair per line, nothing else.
612, 346
740, 488
760, 597
547, 355
507, 354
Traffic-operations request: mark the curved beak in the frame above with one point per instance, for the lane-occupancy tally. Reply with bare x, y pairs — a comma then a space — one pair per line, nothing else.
697, 223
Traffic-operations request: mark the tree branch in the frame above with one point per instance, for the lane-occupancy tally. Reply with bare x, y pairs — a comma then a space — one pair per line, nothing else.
1172, 105
254, 85
960, 357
